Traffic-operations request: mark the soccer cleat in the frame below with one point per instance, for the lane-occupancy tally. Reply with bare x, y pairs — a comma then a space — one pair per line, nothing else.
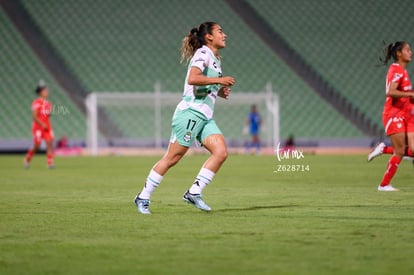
26, 164
376, 152
142, 205
387, 188
51, 166
196, 200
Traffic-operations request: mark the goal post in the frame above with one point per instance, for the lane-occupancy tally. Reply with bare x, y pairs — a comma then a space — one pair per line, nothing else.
144, 118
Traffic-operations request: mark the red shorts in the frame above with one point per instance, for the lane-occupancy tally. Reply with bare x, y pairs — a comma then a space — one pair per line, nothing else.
39, 134
400, 123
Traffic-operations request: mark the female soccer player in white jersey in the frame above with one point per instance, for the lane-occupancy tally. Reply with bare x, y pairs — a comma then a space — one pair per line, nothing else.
193, 117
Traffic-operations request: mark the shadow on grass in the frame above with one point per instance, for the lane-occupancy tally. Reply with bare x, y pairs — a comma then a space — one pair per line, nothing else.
255, 208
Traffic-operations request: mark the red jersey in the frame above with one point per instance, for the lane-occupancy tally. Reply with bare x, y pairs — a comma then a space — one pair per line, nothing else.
397, 106
44, 110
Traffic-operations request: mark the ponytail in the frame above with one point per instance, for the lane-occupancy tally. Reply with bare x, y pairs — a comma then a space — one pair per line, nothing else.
390, 51
190, 44
194, 40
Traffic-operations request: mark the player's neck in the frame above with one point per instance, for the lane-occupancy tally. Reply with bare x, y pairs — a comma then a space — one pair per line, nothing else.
402, 64
214, 50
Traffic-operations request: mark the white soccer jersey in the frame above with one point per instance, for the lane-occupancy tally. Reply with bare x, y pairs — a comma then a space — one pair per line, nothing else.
202, 98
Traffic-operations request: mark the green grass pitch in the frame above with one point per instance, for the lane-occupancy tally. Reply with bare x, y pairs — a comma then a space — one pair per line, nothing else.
80, 218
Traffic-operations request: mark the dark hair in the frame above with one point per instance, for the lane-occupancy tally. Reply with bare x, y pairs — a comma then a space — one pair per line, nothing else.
390, 51
195, 39
40, 88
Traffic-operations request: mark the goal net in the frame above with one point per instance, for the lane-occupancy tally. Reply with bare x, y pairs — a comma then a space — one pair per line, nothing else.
143, 119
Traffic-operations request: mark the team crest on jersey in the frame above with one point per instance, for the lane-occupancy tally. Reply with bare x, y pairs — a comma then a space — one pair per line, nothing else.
187, 137
399, 125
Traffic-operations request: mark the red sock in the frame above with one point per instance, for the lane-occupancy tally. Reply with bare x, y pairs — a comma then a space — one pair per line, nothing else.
29, 155
49, 159
388, 150
408, 152
391, 169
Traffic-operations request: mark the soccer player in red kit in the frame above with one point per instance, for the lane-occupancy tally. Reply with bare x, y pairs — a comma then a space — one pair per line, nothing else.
398, 115
41, 126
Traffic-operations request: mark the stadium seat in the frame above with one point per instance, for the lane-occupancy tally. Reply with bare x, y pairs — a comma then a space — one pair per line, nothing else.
20, 71
342, 46
129, 45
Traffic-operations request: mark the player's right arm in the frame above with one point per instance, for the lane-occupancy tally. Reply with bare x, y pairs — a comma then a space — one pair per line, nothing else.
393, 91
196, 77
395, 76
35, 115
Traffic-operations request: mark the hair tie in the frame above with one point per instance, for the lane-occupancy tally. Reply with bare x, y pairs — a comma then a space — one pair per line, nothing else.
194, 31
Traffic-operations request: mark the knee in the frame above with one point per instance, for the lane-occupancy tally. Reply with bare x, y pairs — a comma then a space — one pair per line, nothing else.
221, 155
399, 151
